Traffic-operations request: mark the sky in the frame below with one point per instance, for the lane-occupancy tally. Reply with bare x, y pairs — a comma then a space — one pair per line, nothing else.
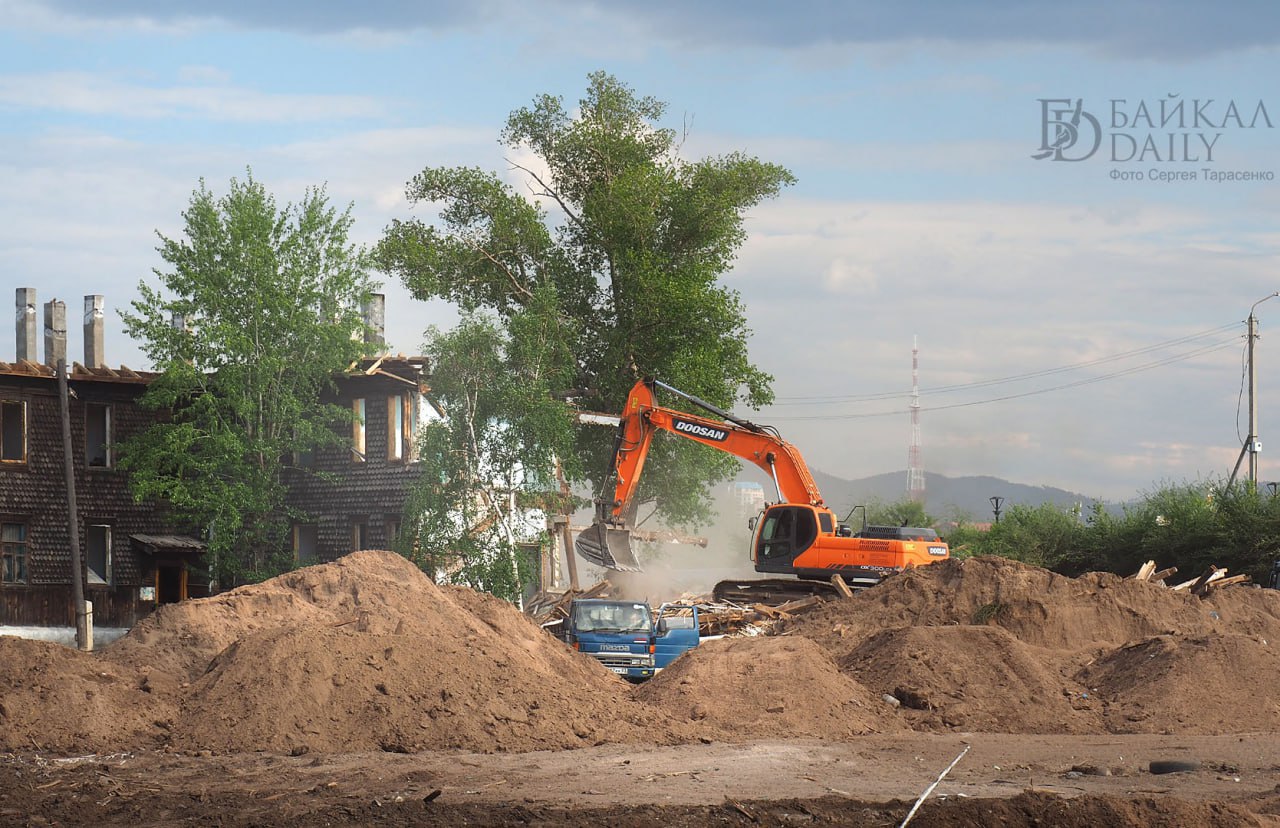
1071, 208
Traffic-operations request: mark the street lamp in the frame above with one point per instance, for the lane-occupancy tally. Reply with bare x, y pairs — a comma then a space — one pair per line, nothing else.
1252, 445
996, 500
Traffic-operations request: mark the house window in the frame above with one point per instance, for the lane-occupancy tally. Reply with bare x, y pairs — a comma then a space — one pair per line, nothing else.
392, 525
13, 553
97, 435
306, 543
359, 534
97, 553
13, 431
396, 425
357, 430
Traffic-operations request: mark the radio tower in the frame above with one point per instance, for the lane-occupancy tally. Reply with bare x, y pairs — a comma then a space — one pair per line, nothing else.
915, 471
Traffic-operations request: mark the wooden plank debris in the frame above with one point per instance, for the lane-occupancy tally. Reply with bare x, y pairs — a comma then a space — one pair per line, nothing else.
1144, 572
548, 607
1221, 582
1196, 584
1156, 577
800, 604
841, 586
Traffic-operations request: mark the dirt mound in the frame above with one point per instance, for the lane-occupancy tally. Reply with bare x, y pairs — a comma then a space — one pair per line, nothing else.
1178, 684
375, 589
1097, 610
54, 698
347, 690
749, 688
1034, 808
974, 678
365, 653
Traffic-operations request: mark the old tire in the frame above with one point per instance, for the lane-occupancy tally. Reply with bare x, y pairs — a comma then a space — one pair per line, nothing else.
1174, 766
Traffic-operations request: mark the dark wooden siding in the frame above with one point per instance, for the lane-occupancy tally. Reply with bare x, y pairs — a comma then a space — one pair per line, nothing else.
374, 491
51, 606
34, 493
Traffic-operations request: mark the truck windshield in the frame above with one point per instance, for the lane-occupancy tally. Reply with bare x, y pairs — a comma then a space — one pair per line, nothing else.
611, 617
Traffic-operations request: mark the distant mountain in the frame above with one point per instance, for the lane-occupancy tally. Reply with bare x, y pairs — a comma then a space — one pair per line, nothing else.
944, 496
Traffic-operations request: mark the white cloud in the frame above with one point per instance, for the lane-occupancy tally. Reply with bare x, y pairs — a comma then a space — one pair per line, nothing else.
844, 276
91, 94
204, 74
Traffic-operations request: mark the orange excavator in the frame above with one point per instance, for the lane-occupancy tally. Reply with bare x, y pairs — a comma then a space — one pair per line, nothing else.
795, 536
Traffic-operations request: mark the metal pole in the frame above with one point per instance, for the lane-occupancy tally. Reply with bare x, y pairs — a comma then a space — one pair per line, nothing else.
1253, 404
569, 558
73, 521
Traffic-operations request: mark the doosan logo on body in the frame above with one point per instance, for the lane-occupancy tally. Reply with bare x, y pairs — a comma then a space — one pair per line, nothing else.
705, 432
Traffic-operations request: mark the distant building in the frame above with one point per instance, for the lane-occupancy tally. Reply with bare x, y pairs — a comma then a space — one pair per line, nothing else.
749, 496
353, 496
123, 579
134, 555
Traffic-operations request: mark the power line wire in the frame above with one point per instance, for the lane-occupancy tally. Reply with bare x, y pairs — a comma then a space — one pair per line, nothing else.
1206, 349
946, 389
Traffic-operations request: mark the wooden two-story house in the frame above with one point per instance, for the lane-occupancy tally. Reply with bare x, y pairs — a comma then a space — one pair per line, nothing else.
134, 556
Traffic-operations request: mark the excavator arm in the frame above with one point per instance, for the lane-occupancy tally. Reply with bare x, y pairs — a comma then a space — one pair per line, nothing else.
607, 541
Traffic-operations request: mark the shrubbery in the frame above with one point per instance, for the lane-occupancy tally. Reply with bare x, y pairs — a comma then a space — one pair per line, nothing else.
1190, 526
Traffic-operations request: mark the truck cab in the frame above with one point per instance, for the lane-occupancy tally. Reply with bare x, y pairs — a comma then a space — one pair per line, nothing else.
677, 630
620, 634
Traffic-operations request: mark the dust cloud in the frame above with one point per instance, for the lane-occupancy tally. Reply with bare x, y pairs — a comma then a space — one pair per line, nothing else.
672, 570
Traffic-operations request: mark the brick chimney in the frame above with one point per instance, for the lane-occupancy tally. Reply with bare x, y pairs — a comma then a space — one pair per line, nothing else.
93, 356
375, 319
26, 305
55, 332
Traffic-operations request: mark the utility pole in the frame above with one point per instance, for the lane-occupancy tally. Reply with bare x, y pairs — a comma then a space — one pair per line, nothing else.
915, 470
84, 639
1252, 445
995, 506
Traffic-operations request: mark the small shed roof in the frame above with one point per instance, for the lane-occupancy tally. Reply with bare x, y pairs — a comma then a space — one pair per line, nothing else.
152, 544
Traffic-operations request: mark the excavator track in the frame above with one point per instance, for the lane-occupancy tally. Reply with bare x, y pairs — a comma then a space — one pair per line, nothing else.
771, 591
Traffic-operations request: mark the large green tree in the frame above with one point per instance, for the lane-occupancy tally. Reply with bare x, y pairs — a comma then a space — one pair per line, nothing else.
623, 242
267, 308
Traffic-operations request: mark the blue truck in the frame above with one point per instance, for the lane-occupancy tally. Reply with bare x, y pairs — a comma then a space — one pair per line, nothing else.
627, 638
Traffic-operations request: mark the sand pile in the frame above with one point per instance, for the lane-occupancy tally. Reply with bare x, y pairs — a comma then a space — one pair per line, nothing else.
749, 688
1045, 609
988, 644
57, 699
362, 654
1189, 684
366, 654
974, 678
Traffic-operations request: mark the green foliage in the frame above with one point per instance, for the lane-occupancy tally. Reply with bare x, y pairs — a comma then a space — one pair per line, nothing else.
904, 512
494, 454
1041, 535
627, 263
270, 303
1191, 526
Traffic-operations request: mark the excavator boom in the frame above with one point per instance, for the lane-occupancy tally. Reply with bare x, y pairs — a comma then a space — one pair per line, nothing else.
607, 542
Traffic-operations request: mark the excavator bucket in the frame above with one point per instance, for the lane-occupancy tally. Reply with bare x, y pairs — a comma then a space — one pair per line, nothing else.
607, 546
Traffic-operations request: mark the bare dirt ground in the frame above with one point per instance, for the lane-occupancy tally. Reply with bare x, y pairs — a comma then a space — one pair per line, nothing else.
359, 693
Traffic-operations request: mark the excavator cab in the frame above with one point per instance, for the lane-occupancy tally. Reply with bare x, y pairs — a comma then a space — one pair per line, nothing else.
784, 531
